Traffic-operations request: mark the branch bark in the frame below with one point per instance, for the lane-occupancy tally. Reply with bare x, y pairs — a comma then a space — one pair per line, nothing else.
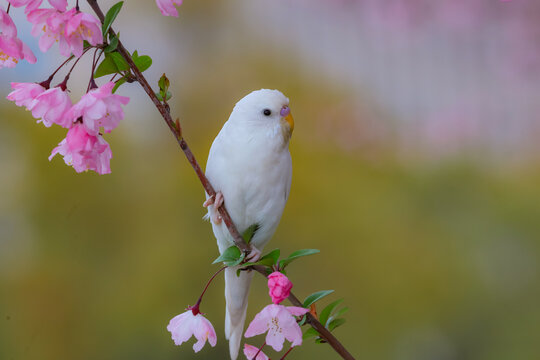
164, 110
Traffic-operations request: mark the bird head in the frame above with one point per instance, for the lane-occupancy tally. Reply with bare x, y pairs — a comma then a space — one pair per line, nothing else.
266, 107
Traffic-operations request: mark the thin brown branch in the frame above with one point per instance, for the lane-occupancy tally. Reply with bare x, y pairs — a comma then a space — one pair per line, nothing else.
238, 240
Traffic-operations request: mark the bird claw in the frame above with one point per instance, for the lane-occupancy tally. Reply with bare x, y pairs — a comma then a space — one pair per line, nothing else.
254, 254
208, 201
217, 201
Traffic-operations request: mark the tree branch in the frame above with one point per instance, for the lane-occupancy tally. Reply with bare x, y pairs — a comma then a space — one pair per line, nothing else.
164, 110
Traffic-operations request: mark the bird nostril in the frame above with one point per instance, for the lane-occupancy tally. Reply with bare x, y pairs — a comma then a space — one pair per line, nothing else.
285, 111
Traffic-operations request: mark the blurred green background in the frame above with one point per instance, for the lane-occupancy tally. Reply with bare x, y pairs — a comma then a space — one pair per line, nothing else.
429, 232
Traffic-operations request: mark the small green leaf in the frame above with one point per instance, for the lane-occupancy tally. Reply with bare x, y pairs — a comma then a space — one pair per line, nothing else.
297, 254
311, 332
335, 323
118, 83
158, 95
111, 16
316, 297
168, 95
325, 313
320, 341
337, 314
113, 44
267, 260
164, 83
106, 67
303, 321
250, 232
143, 62
119, 61
271, 258
231, 257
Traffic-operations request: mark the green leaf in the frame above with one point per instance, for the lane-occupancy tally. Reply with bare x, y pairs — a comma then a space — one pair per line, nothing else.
118, 83
250, 232
113, 44
337, 314
271, 258
335, 323
159, 97
311, 332
267, 260
303, 321
316, 297
164, 83
320, 341
119, 61
143, 62
106, 67
325, 313
297, 254
111, 16
231, 257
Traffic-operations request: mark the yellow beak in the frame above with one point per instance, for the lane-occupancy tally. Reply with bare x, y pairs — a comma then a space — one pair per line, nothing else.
289, 119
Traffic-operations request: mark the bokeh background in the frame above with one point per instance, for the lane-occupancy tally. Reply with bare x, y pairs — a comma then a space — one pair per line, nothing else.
416, 173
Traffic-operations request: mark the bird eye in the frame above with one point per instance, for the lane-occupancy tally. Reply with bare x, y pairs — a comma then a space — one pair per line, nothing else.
267, 112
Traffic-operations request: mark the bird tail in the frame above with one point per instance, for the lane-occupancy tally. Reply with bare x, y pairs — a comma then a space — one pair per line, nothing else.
236, 296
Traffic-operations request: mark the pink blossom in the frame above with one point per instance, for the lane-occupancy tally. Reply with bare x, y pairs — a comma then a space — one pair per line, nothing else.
84, 151
24, 94
250, 351
279, 287
59, 5
100, 108
50, 24
280, 323
7, 25
68, 28
12, 49
183, 326
30, 4
34, 4
51, 106
167, 7
79, 27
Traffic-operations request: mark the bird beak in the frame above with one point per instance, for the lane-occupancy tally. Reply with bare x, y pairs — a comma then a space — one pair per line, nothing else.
287, 116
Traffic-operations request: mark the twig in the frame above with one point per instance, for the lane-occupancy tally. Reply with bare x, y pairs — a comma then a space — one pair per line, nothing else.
238, 240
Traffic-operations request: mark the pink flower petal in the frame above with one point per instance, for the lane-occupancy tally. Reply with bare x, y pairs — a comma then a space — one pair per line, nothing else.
167, 7
250, 351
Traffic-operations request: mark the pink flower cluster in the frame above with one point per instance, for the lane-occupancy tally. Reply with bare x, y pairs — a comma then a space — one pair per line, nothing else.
68, 28
84, 147
277, 320
12, 49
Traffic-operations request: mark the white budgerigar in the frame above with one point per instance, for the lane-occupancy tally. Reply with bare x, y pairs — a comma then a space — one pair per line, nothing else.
250, 167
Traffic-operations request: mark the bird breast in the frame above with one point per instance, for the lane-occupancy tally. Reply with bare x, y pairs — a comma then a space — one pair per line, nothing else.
254, 174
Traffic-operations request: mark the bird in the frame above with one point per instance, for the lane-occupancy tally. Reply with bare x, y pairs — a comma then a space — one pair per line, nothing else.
250, 167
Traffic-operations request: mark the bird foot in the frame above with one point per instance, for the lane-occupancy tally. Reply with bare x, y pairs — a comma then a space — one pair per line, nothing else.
217, 201
254, 254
